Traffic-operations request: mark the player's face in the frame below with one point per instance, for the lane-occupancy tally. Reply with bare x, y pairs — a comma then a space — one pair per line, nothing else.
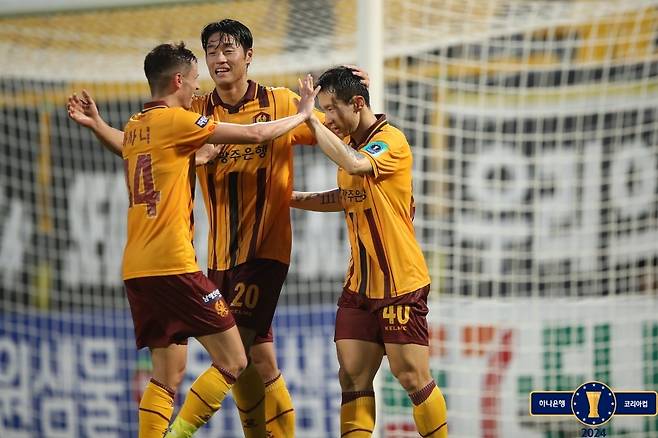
226, 59
341, 117
190, 85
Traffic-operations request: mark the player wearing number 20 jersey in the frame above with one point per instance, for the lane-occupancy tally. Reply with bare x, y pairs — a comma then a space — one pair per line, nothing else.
247, 188
247, 191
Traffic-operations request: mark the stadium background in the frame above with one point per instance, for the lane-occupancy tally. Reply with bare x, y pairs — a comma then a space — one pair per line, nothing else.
534, 130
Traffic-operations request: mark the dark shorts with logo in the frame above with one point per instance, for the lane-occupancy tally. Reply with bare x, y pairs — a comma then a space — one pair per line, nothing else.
168, 309
252, 290
398, 320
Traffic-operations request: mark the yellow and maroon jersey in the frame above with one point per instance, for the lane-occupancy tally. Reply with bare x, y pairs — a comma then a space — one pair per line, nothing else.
158, 151
386, 259
247, 188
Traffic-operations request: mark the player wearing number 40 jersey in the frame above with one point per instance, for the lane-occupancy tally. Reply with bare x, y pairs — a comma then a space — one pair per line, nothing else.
170, 299
383, 307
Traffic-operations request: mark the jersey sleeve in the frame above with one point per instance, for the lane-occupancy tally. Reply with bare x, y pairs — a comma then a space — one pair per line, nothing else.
191, 130
385, 153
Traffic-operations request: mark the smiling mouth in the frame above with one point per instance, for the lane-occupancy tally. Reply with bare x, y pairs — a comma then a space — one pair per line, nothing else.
220, 71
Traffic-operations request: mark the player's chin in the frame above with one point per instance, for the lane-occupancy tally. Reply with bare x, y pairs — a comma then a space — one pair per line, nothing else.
337, 132
223, 78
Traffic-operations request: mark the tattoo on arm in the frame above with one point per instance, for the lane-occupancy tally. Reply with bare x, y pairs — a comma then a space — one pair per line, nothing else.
353, 153
301, 197
329, 197
325, 198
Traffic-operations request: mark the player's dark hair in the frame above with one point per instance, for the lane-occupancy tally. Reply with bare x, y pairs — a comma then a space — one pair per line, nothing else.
228, 27
344, 84
165, 60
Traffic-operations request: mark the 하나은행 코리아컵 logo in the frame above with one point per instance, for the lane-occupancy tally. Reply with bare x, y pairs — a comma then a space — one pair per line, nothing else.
593, 403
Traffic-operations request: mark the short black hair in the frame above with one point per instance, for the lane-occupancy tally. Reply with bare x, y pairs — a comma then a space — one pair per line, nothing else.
344, 84
240, 33
165, 60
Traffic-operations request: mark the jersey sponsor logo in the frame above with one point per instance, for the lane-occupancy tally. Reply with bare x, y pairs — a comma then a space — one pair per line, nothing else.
246, 154
212, 296
202, 121
376, 148
262, 117
353, 195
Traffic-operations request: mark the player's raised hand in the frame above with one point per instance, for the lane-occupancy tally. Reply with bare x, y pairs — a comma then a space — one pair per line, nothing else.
307, 102
83, 110
356, 71
207, 153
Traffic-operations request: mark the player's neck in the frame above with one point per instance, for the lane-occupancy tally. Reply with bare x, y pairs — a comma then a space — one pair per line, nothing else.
231, 94
368, 118
171, 100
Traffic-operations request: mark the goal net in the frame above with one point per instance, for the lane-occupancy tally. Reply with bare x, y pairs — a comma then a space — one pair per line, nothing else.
534, 128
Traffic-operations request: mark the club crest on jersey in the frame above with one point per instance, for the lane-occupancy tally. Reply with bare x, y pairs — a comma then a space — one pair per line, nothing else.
221, 308
202, 121
262, 117
376, 148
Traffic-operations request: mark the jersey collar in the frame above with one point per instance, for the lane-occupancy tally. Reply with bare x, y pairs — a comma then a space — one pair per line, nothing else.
374, 129
250, 95
154, 104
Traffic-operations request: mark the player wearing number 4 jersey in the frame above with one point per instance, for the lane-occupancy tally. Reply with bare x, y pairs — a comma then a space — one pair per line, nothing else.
170, 300
383, 307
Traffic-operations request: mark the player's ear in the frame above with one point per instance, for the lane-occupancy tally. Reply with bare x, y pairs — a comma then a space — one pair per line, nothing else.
178, 80
358, 102
248, 56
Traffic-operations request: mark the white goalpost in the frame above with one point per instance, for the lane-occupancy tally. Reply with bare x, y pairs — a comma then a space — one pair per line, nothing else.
370, 55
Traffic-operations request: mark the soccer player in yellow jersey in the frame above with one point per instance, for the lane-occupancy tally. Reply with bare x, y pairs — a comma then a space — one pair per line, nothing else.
383, 306
170, 299
246, 191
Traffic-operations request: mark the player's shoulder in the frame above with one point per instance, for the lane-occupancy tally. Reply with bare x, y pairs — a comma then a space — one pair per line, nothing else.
182, 118
391, 135
136, 117
392, 130
201, 97
282, 92
200, 101
153, 115
283, 99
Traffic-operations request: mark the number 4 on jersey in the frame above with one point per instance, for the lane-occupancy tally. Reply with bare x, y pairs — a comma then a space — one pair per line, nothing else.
142, 190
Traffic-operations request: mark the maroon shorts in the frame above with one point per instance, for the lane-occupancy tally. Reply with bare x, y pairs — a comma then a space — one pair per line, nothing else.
252, 290
168, 309
399, 320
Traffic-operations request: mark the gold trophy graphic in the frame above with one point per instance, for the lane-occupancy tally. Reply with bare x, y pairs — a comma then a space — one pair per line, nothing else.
593, 398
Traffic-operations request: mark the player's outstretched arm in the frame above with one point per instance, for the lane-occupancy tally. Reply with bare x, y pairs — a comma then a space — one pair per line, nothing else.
340, 153
317, 201
266, 131
83, 111
333, 147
